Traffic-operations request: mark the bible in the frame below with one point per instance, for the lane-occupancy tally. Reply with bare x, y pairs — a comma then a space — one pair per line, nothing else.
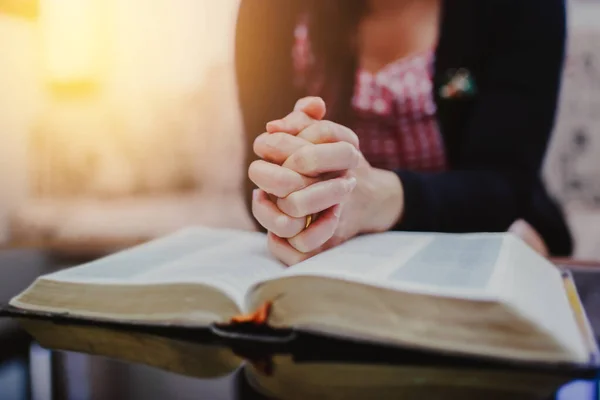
485, 295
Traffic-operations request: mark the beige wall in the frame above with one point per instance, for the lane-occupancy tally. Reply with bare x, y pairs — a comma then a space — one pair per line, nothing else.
19, 98
170, 76
159, 56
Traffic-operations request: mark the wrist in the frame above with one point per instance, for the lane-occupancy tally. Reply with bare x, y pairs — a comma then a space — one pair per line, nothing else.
386, 201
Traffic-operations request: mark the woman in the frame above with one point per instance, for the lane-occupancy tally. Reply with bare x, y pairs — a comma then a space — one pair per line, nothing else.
452, 103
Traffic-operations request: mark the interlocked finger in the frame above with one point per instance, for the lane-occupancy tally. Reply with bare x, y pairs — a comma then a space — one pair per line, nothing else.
329, 132
317, 197
277, 180
278, 147
315, 160
272, 219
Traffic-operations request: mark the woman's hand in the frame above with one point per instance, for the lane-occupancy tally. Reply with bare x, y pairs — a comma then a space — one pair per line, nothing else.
313, 166
530, 236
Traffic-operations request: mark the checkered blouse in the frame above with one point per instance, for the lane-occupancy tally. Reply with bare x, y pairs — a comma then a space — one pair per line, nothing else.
395, 112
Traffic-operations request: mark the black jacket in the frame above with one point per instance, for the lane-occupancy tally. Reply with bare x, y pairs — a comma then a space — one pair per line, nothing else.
495, 139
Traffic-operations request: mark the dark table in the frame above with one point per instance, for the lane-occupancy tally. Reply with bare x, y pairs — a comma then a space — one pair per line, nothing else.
28, 371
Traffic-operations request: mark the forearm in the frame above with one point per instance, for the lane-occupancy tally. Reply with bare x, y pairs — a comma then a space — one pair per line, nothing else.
462, 201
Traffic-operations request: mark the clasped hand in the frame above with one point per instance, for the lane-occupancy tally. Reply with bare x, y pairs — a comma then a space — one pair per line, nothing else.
309, 165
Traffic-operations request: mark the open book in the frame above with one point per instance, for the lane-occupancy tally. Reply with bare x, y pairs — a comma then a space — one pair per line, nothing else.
485, 295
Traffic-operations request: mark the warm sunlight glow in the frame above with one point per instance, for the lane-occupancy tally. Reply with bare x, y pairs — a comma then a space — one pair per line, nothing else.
71, 38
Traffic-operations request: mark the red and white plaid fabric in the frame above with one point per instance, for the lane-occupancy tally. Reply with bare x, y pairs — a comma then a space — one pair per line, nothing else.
395, 110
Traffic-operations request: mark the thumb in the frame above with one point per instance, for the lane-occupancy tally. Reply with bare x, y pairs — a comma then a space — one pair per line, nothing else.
314, 107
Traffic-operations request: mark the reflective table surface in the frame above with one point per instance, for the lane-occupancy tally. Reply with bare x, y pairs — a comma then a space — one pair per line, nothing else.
42, 374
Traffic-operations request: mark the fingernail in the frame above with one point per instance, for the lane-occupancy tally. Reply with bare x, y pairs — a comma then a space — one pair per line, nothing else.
255, 194
337, 210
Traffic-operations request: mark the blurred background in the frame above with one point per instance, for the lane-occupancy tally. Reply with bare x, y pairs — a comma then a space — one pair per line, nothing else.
119, 122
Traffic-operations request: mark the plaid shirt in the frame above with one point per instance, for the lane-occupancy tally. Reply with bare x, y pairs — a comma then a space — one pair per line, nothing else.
395, 112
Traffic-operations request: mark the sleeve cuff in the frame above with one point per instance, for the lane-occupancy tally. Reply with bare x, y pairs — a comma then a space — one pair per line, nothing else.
416, 216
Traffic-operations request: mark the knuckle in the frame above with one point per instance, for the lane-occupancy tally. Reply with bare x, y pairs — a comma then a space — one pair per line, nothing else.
338, 188
276, 140
292, 205
346, 147
327, 129
279, 178
351, 133
344, 134
348, 135
280, 183
305, 160
284, 226
349, 152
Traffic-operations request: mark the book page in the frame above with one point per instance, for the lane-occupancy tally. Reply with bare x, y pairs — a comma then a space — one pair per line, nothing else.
229, 260
454, 263
537, 288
